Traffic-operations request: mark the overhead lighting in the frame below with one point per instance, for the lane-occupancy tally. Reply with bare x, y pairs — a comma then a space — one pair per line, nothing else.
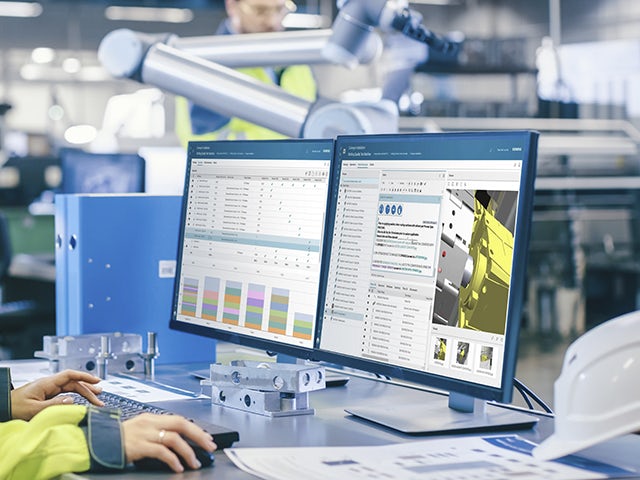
20, 9
71, 69
305, 20
71, 65
31, 71
79, 134
149, 14
43, 55
435, 2
94, 74
56, 112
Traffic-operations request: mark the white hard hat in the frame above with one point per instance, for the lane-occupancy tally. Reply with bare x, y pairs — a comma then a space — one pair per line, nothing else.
597, 395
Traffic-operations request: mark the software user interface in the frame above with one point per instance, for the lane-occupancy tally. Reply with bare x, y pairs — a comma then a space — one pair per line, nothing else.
252, 240
421, 255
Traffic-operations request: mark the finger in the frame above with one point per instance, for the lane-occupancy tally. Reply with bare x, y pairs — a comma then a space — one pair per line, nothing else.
58, 400
97, 389
142, 440
187, 429
178, 445
63, 399
89, 392
67, 376
163, 453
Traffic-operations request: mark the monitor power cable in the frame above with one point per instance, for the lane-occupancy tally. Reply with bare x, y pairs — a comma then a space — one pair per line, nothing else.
528, 395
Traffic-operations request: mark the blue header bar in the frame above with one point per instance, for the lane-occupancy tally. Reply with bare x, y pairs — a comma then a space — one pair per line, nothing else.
510, 145
296, 149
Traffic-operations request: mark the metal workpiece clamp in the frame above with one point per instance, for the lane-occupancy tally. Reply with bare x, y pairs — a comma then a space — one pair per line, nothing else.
265, 388
93, 353
149, 357
103, 356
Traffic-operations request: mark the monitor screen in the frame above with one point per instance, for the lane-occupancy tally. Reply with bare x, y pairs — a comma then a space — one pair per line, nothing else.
402, 255
425, 264
24, 179
251, 242
86, 172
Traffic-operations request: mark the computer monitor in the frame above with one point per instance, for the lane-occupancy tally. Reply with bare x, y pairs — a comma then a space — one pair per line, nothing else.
87, 172
24, 179
425, 269
251, 240
405, 256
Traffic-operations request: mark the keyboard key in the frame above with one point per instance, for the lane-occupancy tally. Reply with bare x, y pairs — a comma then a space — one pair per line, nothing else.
223, 437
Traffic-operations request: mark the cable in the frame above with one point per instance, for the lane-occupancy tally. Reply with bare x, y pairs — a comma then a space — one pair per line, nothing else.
527, 394
410, 26
524, 396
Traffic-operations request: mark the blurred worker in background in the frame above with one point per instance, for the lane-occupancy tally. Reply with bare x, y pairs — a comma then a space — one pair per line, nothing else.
246, 16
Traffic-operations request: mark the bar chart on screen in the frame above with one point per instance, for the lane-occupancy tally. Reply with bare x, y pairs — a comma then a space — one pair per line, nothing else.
248, 219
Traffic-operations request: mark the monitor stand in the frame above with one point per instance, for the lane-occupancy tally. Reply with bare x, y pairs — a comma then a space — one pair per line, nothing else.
462, 414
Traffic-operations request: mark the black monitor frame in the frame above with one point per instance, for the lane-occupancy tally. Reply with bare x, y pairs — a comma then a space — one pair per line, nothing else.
287, 148
528, 141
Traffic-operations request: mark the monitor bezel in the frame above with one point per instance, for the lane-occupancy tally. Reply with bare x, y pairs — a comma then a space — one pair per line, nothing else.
503, 393
270, 346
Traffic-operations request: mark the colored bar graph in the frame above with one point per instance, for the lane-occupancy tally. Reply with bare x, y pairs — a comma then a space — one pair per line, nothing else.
255, 306
210, 298
189, 296
231, 309
278, 311
302, 325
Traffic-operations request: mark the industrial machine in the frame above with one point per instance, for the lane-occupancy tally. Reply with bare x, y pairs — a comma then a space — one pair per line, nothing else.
200, 68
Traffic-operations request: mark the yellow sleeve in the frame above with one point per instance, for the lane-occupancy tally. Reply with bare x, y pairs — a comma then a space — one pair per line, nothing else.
49, 445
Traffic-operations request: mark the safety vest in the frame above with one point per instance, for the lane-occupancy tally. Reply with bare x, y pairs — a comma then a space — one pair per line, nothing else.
297, 80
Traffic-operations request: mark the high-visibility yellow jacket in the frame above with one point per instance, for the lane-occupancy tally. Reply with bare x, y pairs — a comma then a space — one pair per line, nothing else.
60, 439
295, 79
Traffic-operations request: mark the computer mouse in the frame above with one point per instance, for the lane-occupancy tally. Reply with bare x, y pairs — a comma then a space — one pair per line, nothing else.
204, 457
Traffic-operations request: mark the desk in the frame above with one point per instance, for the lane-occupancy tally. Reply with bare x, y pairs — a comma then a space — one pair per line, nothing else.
330, 426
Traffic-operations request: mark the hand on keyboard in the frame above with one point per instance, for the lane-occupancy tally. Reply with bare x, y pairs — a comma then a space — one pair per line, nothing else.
31, 398
222, 436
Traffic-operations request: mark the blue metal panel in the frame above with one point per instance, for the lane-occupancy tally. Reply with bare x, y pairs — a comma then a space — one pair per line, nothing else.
114, 270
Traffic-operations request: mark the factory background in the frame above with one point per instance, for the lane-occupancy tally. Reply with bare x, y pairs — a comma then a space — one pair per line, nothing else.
583, 266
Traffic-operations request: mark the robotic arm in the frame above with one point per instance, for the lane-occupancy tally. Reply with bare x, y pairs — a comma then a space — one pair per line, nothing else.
200, 68
271, 49
355, 23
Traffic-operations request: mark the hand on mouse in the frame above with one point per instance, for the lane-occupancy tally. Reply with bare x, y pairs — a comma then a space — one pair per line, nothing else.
161, 436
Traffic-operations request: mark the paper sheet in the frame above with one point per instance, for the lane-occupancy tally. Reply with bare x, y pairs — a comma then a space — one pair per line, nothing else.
487, 458
140, 391
28, 371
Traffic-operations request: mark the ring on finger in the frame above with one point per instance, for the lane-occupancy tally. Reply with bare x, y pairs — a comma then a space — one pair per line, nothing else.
161, 435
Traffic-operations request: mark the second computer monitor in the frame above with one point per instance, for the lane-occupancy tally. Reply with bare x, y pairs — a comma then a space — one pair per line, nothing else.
86, 172
423, 259
251, 242
425, 277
